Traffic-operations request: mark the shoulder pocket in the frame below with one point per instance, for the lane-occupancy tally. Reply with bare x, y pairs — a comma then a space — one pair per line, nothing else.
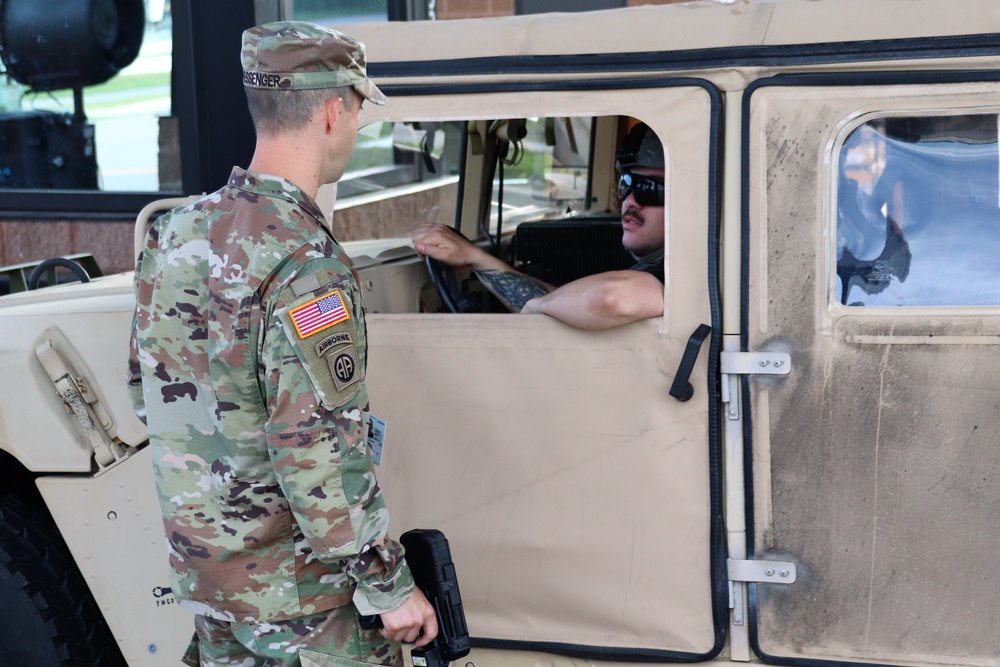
322, 331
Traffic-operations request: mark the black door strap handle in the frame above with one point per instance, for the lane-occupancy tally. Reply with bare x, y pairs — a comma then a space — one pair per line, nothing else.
681, 389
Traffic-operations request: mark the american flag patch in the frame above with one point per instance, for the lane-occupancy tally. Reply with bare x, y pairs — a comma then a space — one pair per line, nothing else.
319, 314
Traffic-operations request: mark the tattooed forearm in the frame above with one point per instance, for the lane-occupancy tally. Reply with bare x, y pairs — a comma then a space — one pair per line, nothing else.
512, 288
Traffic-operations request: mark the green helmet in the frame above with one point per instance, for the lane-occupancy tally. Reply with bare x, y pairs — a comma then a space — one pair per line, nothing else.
641, 148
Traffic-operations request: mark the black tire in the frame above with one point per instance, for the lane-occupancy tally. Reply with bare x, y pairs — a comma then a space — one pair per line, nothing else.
48, 616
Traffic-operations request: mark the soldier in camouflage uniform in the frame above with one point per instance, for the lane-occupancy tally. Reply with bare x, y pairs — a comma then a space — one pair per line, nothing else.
247, 363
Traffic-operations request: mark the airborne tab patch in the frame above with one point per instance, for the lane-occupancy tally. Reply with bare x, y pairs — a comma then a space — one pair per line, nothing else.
330, 342
319, 314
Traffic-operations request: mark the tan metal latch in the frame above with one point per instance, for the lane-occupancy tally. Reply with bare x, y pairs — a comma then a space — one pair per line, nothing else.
81, 402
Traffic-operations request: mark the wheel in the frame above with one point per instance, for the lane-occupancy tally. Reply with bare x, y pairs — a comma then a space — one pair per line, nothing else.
48, 616
51, 263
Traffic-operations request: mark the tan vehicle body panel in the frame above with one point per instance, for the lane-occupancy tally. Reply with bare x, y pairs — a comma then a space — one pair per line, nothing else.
690, 25
903, 485
574, 490
91, 331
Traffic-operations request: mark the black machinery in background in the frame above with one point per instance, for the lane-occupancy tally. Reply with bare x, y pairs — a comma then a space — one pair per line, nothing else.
54, 46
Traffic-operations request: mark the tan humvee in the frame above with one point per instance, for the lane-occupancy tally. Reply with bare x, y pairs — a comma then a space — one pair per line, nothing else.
828, 494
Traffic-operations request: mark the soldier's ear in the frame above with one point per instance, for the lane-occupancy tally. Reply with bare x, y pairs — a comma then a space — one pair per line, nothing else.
332, 110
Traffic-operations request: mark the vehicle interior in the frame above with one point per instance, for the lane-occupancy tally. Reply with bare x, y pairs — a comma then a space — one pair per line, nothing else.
537, 192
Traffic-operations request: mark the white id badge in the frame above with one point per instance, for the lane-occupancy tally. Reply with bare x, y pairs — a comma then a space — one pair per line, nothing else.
376, 438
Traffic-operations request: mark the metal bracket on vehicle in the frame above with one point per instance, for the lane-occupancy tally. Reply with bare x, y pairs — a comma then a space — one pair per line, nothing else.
761, 571
756, 363
754, 572
734, 364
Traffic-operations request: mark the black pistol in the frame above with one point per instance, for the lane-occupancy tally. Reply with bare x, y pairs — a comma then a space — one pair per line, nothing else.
429, 559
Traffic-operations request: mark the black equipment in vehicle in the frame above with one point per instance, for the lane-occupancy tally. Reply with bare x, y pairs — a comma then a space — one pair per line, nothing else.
560, 251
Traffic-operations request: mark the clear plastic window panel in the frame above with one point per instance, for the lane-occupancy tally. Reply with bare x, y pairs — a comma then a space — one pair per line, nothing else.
918, 212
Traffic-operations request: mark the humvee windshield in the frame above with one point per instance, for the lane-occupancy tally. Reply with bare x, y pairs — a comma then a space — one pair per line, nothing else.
543, 174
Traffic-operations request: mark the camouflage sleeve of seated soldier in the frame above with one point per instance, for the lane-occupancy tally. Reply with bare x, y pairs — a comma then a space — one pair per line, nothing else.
313, 362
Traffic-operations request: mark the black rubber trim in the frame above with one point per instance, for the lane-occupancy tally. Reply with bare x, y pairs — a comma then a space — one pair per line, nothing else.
594, 652
817, 80
710, 58
717, 547
720, 552
406, 90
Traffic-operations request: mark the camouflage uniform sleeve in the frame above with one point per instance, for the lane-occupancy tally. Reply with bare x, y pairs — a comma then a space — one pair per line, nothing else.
313, 357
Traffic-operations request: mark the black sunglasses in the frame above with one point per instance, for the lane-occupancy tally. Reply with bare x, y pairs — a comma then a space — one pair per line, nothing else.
646, 190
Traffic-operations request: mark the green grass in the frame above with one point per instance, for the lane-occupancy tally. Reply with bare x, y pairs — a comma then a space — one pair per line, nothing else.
91, 106
118, 84
143, 87
124, 82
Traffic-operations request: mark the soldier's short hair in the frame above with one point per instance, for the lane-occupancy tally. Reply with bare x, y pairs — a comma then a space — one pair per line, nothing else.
277, 111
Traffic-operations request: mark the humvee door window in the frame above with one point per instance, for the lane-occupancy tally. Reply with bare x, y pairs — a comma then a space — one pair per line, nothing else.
918, 212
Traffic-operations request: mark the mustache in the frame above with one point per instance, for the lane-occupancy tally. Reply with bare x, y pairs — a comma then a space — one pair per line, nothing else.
634, 213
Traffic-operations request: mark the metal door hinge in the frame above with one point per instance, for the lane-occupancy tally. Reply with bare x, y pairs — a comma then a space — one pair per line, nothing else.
756, 363
757, 572
761, 571
734, 364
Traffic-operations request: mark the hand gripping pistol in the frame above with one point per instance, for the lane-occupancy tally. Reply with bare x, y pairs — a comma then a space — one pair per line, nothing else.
429, 559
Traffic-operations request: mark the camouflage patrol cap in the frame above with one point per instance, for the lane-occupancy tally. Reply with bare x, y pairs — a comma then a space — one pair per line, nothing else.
641, 148
295, 55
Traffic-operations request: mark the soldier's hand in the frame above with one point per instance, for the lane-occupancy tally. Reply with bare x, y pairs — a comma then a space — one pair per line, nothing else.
405, 622
445, 245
